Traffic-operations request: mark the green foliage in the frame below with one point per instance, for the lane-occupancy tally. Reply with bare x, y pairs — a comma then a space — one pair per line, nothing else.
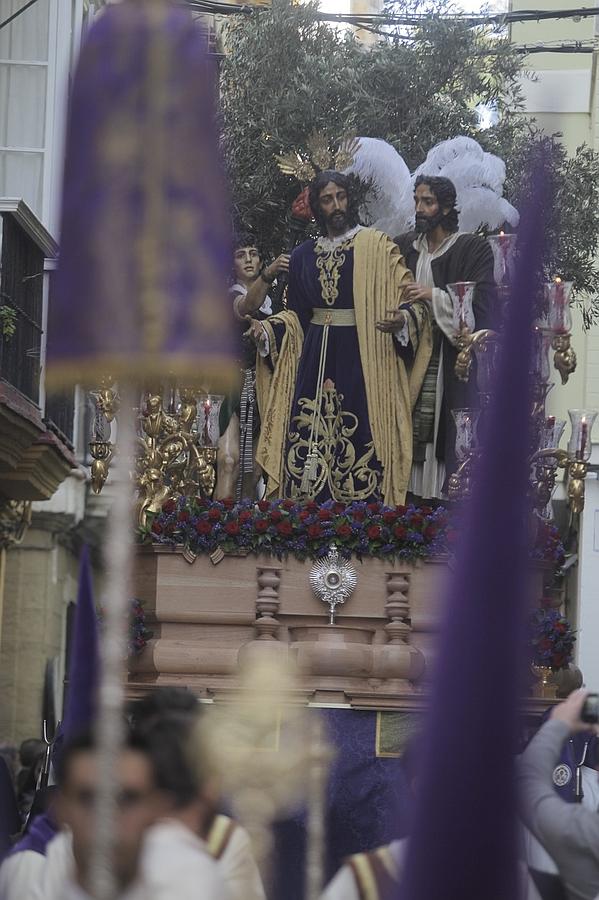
8, 322
285, 75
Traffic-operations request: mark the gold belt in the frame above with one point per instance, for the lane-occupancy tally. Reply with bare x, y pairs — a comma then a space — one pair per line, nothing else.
322, 316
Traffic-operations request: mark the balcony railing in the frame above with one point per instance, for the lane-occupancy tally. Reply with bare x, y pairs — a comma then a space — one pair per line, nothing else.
21, 292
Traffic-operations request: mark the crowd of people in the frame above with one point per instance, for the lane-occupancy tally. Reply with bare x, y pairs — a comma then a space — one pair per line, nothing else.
172, 838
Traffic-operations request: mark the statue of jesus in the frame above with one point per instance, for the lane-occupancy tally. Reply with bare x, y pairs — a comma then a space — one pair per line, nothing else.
335, 390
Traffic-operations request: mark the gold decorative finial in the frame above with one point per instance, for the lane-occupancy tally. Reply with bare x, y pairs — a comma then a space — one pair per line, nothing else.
320, 154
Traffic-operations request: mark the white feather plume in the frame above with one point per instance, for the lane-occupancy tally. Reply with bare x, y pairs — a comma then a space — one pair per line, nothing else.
478, 177
390, 202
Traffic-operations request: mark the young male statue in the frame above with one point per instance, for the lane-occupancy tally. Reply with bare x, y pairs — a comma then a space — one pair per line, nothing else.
335, 395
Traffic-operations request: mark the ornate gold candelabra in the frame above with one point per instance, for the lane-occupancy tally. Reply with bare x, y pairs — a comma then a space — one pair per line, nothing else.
176, 444
549, 457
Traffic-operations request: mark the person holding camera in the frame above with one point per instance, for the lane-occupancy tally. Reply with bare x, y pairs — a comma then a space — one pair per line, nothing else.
568, 831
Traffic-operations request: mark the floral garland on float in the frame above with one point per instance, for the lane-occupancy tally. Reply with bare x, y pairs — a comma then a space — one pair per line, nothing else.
306, 530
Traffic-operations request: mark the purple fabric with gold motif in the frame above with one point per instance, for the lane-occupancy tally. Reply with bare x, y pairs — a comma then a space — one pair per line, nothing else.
463, 843
145, 244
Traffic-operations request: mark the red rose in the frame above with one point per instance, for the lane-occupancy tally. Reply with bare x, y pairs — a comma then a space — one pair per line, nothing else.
373, 507
244, 516
389, 517
203, 527
324, 515
400, 532
343, 530
169, 507
312, 505
359, 515
263, 505
338, 508
261, 525
400, 510
416, 520
276, 515
183, 516
232, 528
314, 531
288, 504
214, 514
426, 510
430, 532
228, 503
373, 532
285, 527
300, 208
156, 527
304, 514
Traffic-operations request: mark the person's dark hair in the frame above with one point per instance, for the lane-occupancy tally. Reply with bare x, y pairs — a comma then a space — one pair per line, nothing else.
445, 192
169, 740
30, 751
86, 742
348, 182
162, 701
245, 239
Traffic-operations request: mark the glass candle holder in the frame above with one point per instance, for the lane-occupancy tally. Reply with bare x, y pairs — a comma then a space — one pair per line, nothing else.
487, 354
558, 317
504, 250
540, 366
208, 429
466, 422
550, 433
579, 445
462, 297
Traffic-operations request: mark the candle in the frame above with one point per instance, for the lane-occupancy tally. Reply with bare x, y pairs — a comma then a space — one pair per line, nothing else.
583, 439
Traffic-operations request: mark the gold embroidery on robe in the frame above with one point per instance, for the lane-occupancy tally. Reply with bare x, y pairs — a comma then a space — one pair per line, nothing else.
346, 477
329, 263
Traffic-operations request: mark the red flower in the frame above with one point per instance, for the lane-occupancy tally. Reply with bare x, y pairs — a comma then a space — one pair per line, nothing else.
304, 514
183, 516
245, 515
400, 532
359, 515
373, 532
288, 504
285, 527
374, 507
276, 515
203, 527
389, 517
426, 510
416, 520
312, 505
430, 532
300, 208
261, 525
314, 531
156, 527
214, 514
324, 515
343, 530
263, 505
228, 503
338, 508
169, 507
400, 510
232, 528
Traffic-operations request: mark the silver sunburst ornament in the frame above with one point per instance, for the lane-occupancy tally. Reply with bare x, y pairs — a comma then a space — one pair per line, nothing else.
333, 580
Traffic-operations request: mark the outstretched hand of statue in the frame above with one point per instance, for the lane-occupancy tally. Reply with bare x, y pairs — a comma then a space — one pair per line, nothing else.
395, 321
414, 292
255, 332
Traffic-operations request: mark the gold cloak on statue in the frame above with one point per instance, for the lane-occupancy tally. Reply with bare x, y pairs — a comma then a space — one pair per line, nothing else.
392, 386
